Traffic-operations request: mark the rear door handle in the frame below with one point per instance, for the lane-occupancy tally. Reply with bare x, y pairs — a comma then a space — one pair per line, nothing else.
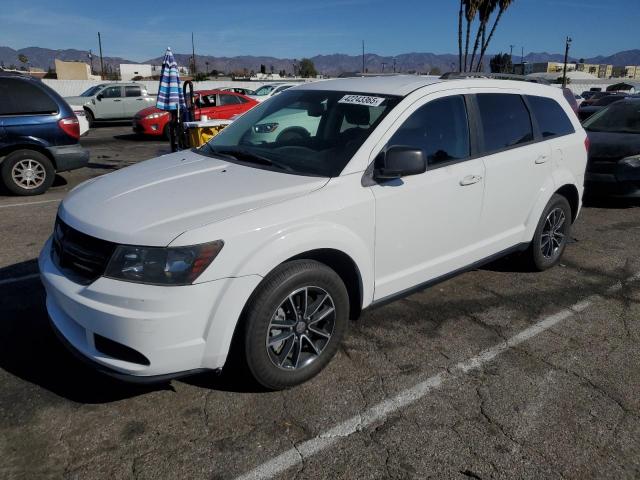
117, 100
542, 159
139, 99
470, 180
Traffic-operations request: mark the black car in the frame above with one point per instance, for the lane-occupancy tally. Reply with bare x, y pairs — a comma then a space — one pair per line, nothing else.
588, 108
614, 156
38, 135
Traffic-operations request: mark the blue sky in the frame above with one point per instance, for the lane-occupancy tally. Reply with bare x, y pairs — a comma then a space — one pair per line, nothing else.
139, 30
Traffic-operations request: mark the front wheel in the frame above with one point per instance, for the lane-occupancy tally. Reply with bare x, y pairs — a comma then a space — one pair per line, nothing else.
552, 232
91, 119
294, 323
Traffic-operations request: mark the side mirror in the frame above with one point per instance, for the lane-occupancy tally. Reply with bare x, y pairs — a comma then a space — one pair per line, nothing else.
400, 161
99, 97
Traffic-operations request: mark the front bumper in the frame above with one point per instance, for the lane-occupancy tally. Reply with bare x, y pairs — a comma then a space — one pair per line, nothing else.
69, 157
147, 128
178, 330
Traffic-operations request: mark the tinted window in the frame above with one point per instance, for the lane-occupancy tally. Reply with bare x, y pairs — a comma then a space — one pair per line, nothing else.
440, 128
551, 118
621, 117
603, 102
133, 91
228, 100
111, 92
505, 121
23, 97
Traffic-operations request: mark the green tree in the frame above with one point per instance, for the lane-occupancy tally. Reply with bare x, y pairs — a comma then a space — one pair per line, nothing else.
435, 71
24, 60
485, 10
470, 12
501, 63
307, 68
460, 15
263, 69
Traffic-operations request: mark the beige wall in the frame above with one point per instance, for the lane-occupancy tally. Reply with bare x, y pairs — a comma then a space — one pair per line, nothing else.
74, 71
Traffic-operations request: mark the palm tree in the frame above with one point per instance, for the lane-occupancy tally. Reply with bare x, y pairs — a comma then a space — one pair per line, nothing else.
471, 9
504, 4
462, 4
485, 10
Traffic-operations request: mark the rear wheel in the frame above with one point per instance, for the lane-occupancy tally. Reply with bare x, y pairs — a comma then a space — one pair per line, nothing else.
552, 232
27, 172
294, 323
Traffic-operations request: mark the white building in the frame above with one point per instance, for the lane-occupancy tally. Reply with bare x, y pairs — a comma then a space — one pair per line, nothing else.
128, 71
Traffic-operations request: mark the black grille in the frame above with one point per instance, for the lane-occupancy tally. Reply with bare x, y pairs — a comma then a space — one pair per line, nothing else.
81, 258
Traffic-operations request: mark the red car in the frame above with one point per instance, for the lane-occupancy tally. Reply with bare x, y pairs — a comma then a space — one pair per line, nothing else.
216, 104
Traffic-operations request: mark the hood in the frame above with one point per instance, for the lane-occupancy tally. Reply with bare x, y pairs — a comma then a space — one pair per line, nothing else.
153, 202
613, 146
78, 100
148, 111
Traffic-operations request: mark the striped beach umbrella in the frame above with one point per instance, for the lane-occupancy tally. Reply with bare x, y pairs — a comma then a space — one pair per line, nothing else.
170, 92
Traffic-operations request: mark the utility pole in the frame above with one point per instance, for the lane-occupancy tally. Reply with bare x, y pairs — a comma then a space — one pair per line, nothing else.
362, 57
101, 61
91, 60
193, 55
394, 65
383, 65
566, 59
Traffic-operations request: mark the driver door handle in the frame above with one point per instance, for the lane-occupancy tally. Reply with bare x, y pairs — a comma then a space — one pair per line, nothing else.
542, 159
470, 180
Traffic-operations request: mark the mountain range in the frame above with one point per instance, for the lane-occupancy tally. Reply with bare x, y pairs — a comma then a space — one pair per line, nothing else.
328, 64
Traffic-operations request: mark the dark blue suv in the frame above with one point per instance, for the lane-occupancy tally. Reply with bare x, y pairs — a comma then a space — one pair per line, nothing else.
38, 135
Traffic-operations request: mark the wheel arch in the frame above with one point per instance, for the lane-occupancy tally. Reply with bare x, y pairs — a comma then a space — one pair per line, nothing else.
570, 192
28, 146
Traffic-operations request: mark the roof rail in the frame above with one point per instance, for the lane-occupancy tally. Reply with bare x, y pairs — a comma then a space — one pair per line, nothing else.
499, 76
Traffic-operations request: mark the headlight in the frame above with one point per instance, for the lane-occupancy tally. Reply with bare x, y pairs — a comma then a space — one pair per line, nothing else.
265, 127
633, 161
153, 116
162, 266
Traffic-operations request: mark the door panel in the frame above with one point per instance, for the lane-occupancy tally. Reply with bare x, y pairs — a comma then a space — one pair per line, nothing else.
427, 225
133, 100
111, 105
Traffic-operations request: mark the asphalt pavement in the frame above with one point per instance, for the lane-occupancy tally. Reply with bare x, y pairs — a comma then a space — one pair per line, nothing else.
498, 373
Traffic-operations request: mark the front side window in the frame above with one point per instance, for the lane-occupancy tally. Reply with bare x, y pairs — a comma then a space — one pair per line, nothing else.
23, 97
111, 92
133, 91
91, 91
439, 128
304, 132
228, 99
551, 118
505, 121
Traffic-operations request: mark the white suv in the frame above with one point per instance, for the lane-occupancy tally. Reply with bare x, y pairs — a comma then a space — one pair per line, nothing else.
275, 239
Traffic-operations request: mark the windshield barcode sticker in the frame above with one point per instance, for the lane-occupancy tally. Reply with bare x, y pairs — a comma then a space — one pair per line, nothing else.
362, 100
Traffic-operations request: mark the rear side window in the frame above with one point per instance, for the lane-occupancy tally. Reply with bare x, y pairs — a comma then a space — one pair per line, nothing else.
505, 121
551, 118
133, 91
440, 128
228, 100
22, 97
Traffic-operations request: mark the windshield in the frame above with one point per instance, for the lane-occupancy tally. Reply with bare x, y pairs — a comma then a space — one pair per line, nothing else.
90, 92
305, 132
620, 117
264, 90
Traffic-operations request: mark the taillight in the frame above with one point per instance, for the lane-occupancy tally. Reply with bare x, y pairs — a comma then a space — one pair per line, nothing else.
70, 126
587, 144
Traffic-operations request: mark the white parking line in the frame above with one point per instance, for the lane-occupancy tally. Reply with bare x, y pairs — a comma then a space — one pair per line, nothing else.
411, 395
30, 203
19, 279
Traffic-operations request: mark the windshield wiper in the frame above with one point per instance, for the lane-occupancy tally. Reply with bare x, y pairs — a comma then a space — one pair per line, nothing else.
250, 157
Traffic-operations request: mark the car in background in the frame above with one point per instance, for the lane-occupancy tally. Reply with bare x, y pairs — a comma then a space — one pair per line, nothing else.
613, 167
240, 90
595, 97
270, 90
213, 104
587, 94
79, 112
113, 101
38, 135
579, 99
589, 108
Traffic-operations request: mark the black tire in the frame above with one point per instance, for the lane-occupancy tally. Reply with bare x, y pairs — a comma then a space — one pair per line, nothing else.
546, 248
268, 300
41, 167
166, 132
90, 117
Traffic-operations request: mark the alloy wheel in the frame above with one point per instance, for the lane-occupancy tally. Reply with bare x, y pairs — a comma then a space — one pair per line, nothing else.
28, 174
553, 236
301, 328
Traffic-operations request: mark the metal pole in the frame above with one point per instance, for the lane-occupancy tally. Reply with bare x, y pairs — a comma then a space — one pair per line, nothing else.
101, 61
363, 57
566, 59
91, 60
193, 55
